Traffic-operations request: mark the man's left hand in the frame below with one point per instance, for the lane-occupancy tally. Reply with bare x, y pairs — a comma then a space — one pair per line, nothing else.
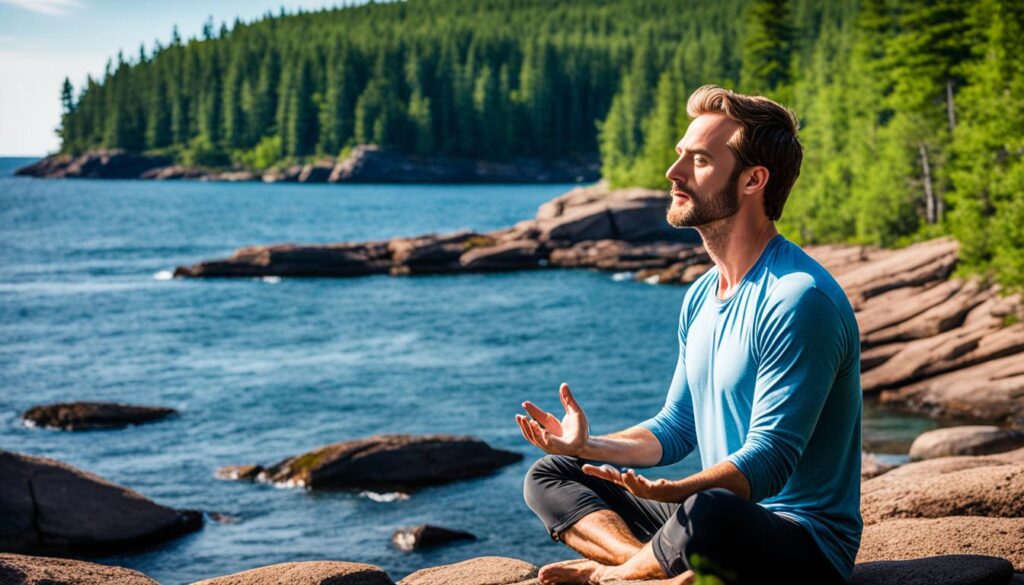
661, 490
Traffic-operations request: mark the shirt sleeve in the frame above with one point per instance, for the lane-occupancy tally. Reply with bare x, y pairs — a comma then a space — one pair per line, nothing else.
799, 345
673, 426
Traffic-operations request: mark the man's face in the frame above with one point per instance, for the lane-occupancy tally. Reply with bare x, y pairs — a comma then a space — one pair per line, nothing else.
706, 174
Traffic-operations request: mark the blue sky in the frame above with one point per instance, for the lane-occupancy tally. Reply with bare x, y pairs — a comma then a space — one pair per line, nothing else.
42, 41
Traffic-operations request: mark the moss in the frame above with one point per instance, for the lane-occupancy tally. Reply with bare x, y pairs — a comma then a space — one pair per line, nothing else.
307, 461
478, 242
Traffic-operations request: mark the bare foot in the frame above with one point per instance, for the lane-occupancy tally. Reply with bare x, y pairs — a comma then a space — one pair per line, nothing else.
577, 571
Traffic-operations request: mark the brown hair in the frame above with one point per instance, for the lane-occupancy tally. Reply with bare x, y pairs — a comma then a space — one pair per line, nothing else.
767, 138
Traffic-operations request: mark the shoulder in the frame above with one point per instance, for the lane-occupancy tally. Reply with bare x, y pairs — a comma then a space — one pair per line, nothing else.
795, 281
698, 293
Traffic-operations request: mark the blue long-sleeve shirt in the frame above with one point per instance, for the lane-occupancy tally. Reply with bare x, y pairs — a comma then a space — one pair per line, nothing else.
769, 379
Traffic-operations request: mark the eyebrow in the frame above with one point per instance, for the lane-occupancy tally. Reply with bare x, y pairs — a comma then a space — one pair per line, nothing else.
699, 151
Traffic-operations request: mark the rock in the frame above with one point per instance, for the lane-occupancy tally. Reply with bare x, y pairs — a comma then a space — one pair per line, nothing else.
51, 506
585, 222
952, 350
991, 391
478, 571
26, 570
516, 255
433, 254
306, 573
922, 537
239, 472
79, 416
619, 255
97, 164
174, 172
297, 260
973, 486
285, 175
234, 176
872, 466
965, 440
426, 535
940, 318
318, 172
944, 570
901, 304
841, 258
916, 265
369, 163
390, 462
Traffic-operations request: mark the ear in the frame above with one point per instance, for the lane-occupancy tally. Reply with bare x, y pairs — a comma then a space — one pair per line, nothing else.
753, 179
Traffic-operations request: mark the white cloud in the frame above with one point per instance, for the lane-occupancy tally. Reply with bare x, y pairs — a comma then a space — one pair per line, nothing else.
48, 7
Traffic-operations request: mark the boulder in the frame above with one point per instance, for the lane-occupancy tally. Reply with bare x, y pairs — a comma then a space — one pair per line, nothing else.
577, 224
433, 254
306, 573
940, 318
96, 164
516, 255
239, 472
478, 571
952, 350
872, 466
620, 255
839, 259
991, 391
899, 305
913, 266
965, 440
944, 570
948, 486
51, 506
911, 538
234, 176
285, 175
296, 260
425, 536
79, 416
315, 173
389, 462
174, 172
26, 570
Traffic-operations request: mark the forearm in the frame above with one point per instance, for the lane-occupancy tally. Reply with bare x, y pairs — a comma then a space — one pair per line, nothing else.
633, 447
721, 475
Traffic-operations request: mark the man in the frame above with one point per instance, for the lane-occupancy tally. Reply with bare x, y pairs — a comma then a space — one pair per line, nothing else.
767, 386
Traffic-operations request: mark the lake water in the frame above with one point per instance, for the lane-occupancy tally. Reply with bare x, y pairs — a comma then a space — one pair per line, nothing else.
263, 370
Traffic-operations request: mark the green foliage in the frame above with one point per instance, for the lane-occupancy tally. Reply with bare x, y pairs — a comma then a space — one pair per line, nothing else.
202, 152
262, 156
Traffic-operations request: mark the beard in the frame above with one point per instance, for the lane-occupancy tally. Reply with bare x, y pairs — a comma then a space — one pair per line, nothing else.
702, 209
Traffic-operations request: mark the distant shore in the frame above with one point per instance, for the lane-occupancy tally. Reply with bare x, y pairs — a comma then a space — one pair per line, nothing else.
363, 164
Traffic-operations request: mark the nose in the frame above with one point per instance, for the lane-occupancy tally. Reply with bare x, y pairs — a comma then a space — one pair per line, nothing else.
675, 172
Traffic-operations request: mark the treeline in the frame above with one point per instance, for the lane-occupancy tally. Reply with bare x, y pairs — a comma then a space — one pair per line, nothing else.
912, 115
486, 78
912, 111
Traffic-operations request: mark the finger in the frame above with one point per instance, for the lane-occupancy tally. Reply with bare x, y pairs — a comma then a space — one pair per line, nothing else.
527, 433
605, 473
543, 437
568, 400
546, 419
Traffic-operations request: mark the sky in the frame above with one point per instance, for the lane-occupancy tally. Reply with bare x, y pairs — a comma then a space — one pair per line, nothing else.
44, 41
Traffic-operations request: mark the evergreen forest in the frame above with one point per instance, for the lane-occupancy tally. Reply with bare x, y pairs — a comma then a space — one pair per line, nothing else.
912, 111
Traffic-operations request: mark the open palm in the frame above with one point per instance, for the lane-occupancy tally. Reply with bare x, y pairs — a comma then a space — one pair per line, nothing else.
567, 436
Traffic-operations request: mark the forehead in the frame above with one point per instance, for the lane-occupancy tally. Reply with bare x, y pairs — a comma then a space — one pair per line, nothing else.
710, 132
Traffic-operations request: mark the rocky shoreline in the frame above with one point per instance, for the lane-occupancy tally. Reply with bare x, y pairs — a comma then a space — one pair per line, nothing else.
363, 164
946, 347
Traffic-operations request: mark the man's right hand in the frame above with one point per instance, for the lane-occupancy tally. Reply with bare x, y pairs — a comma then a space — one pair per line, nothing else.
568, 436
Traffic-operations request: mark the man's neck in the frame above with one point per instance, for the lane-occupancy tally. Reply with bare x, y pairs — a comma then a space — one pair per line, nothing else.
734, 246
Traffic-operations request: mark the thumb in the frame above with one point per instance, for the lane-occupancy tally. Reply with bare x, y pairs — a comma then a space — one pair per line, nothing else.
568, 400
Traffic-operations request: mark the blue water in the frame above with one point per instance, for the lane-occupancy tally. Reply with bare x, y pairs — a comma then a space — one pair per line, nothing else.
264, 370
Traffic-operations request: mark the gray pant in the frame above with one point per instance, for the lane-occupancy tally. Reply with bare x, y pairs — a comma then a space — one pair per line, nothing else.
728, 536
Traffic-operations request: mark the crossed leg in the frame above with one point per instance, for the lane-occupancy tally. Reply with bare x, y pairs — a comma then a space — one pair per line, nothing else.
734, 537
